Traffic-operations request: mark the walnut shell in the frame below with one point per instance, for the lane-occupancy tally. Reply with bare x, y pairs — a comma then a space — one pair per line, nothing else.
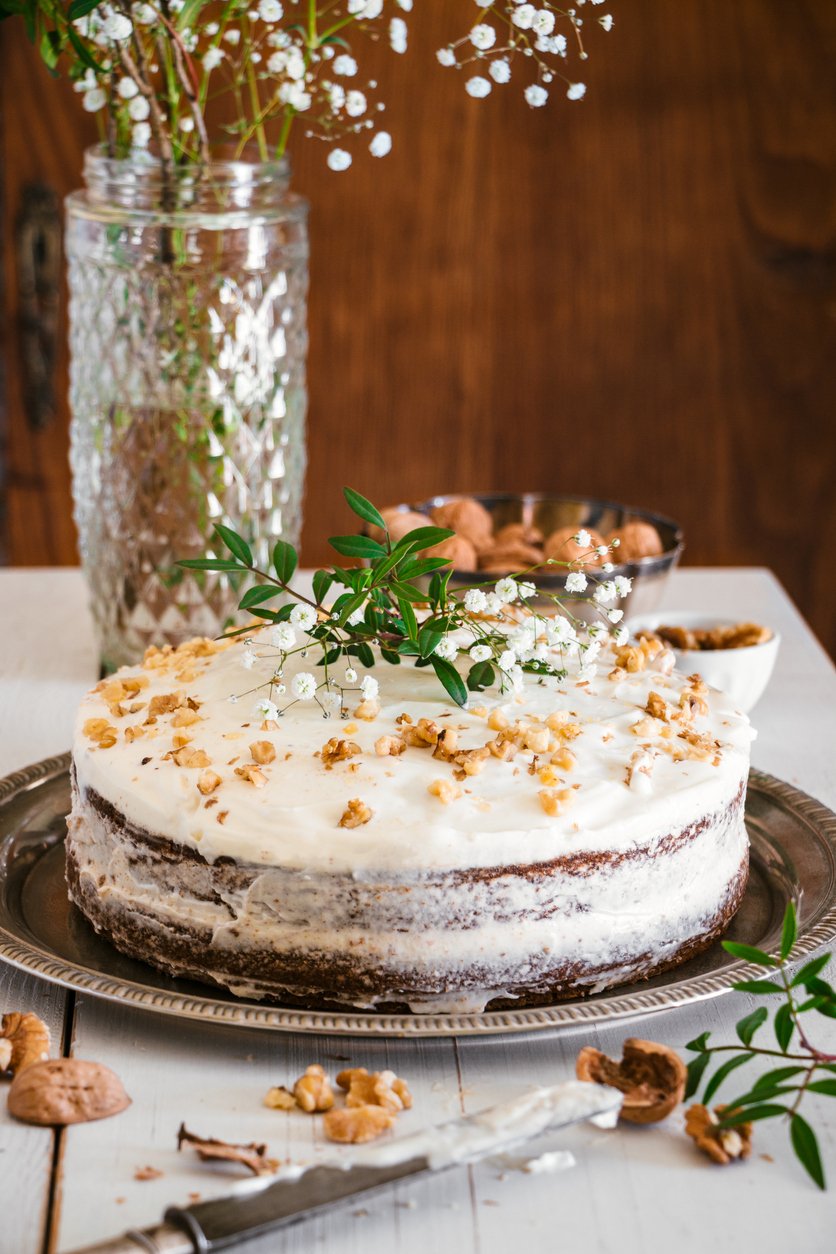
468, 519
66, 1090
651, 1077
400, 522
638, 539
459, 552
563, 548
505, 559
518, 533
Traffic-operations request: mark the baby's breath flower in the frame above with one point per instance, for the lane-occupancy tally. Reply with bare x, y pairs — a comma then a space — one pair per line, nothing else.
350, 675
118, 27
477, 87
623, 585
506, 590
270, 11
607, 567
141, 135
606, 20
587, 671
369, 687
398, 35
583, 538
475, 601
232, 36
493, 604
481, 652
265, 708
483, 36
445, 649
126, 88
345, 65
139, 109
525, 590
446, 56
303, 616
212, 58
186, 125
507, 659
381, 144
356, 617
621, 636
248, 658
524, 16
304, 686
536, 96
355, 104
560, 631
602, 549
283, 636
500, 70
576, 91
575, 581
605, 592
615, 616
94, 100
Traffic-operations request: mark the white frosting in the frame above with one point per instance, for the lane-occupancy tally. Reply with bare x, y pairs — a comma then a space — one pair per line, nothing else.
292, 822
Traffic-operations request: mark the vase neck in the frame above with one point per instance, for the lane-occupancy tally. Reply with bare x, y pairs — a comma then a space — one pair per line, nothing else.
141, 182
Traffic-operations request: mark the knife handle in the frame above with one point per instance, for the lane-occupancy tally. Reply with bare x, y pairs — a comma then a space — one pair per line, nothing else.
164, 1238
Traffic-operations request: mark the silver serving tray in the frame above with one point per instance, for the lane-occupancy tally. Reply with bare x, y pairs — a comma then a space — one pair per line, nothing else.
793, 842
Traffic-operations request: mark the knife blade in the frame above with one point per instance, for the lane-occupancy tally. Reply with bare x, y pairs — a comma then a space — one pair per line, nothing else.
260, 1207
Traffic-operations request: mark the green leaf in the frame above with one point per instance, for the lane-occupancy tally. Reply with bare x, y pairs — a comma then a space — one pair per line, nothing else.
210, 563
789, 930
285, 560
80, 8
350, 603
757, 986
408, 615
51, 46
807, 1149
810, 970
83, 53
696, 1067
721, 1073
747, 1027
828, 1010
699, 1042
749, 954
762, 1095
415, 567
405, 590
323, 581
364, 655
389, 656
364, 509
450, 678
428, 638
257, 595
357, 546
820, 987
768, 1111
237, 547
784, 1027
437, 591
776, 1076
828, 1087
422, 538
481, 675
271, 615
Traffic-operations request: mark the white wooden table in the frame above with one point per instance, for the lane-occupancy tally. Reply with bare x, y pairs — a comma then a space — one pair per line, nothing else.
633, 1191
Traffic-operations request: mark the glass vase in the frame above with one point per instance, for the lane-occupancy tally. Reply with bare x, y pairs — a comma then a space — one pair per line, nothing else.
187, 385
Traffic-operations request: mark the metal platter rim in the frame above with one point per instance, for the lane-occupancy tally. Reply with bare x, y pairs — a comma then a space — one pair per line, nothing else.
630, 1003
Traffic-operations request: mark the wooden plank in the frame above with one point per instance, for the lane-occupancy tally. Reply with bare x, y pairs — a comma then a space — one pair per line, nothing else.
214, 1079
26, 1153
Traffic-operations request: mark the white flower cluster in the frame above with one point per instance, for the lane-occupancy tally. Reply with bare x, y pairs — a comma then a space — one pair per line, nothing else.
520, 30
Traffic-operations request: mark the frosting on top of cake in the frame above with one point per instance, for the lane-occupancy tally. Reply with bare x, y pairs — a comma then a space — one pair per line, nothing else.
561, 767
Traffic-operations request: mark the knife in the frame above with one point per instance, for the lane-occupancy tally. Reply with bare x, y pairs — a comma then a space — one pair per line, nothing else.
260, 1207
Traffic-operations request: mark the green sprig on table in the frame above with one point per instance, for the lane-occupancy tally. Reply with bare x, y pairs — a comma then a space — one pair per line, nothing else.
778, 1093
375, 605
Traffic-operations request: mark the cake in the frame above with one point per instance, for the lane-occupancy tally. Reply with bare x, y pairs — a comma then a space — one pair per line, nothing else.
561, 839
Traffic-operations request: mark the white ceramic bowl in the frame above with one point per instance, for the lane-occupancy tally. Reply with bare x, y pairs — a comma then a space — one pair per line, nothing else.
742, 673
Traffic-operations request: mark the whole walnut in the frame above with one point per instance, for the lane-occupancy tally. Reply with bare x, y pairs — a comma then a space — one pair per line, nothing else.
638, 539
470, 520
562, 546
459, 552
400, 522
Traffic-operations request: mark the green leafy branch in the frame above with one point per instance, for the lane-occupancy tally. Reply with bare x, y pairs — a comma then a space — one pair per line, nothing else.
779, 1092
375, 605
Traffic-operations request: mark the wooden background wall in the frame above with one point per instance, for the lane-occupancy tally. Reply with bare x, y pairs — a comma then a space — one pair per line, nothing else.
632, 296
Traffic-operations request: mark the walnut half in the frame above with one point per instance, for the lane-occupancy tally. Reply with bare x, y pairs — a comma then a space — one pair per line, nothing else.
24, 1040
354, 1125
722, 1145
66, 1090
651, 1077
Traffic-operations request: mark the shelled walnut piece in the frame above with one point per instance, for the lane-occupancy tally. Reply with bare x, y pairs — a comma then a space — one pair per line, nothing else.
371, 1101
723, 1145
699, 639
24, 1040
651, 1077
